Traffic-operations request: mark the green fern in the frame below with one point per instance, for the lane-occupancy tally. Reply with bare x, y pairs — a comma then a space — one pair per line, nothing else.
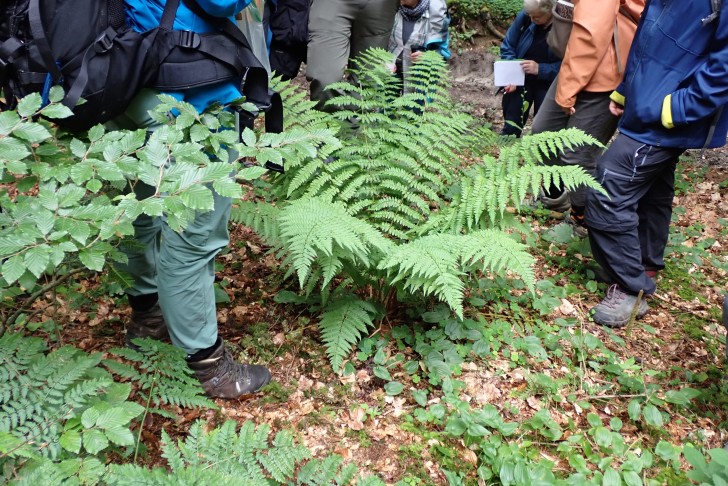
226, 457
397, 208
343, 322
162, 375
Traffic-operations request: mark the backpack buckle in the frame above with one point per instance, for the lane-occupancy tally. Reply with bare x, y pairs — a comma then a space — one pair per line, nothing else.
103, 43
189, 39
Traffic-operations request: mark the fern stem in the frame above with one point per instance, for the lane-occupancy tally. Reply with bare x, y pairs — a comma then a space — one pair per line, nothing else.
144, 417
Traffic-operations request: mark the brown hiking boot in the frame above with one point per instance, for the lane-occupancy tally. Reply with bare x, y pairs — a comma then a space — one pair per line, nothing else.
222, 377
146, 324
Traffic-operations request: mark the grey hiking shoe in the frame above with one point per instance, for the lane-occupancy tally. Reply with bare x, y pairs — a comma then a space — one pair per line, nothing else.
222, 377
616, 308
560, 204
146, 324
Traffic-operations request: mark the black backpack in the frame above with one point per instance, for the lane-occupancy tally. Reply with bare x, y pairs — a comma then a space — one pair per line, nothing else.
288, 24
86, 47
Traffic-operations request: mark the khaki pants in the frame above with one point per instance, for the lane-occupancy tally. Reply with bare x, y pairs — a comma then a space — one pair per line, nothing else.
338, 31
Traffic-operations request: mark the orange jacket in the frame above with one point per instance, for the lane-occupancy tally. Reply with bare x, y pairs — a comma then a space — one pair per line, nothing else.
591, 62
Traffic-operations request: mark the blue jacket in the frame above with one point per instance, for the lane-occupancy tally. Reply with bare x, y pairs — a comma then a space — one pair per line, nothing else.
676, 79
519, 39
143, 15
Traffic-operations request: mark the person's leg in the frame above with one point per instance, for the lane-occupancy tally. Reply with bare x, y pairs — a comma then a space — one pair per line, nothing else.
372, 25
512, 104
551, 118
329, 45
592, 117
627, 171
539, 95
655, 214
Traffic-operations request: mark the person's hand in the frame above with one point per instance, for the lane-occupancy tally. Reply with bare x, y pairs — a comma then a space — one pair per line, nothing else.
511, 88
615, 108
416, 56
568, 111
530, 67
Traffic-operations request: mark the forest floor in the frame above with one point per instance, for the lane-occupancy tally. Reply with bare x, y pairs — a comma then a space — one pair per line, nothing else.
678, 343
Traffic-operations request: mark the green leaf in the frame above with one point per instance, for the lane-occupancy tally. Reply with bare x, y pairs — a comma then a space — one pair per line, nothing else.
57, 111
8, 120
29, 105
393, 388
652, 416
12, 149
89, 417
94, 185
631, 478
250, 173
13, 268
667, 451
634, 409
32, 132
115, 417
71, 441
611, 478
382, 372
94, 441
120, 436
456, 427
92, 259
37, 259
248, 137
420, 397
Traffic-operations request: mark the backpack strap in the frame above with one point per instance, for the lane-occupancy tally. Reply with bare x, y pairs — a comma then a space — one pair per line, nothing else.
715, 7
35, 21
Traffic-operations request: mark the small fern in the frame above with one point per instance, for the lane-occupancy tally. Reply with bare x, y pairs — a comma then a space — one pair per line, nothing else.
226, 457
162, 375
343, 322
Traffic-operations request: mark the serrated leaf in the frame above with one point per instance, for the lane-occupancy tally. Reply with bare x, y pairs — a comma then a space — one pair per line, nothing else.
634, 409
57, 111
71, 441
32, 132
13, 268
96, 132
29, 105
36, 259
120, 436
92, 259
94, 185
115, 417
8, 120
94, 441
250, 173
248, 137
12, 149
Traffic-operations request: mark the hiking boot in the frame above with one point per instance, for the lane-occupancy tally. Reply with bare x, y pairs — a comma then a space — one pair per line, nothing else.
578, 225
146, 324
560, 204
616, 308
222, 377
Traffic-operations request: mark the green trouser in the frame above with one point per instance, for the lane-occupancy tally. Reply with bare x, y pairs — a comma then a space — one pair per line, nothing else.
338, 31
178, 266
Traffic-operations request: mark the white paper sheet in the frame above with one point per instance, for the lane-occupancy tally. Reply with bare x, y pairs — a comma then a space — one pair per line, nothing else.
508, 72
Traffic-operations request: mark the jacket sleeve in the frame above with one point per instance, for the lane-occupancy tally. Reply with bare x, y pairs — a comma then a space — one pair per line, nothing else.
591, 37
707, 88
223, 8
547, 71
509, 46
438, 38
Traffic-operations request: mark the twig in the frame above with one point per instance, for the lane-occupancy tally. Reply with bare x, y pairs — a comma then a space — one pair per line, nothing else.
605, 397
35, 295
630, 322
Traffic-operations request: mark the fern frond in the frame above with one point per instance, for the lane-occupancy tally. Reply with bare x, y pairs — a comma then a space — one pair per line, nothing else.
499, 253
283, 458
344, 320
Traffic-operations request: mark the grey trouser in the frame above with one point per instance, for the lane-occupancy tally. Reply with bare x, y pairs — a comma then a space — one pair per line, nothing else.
178, 266
628, 230
338, 31
592, 116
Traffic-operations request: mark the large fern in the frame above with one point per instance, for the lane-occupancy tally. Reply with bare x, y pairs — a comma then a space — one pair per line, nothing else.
400, 205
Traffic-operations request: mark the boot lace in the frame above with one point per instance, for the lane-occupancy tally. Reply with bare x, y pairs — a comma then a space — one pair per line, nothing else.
615, 296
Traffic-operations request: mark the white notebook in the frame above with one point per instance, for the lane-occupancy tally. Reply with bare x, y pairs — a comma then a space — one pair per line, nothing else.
508, 72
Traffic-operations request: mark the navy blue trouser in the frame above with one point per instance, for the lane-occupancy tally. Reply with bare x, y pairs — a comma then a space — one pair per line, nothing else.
517, 105
628, 229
